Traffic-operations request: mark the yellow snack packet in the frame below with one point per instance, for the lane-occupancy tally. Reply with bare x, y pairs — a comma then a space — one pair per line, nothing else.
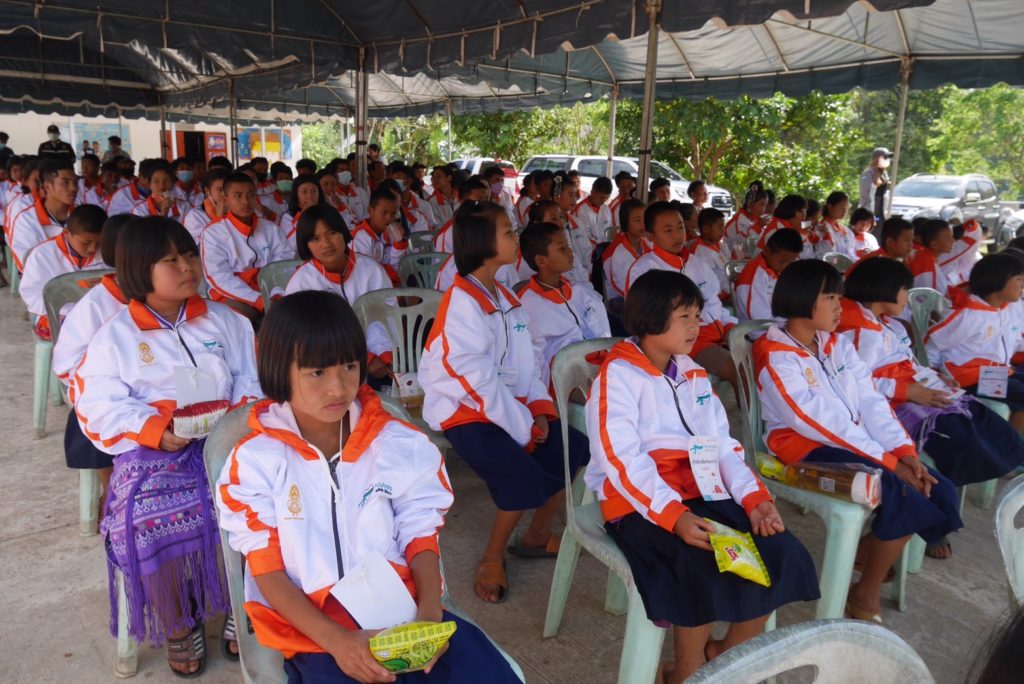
409, 647
735, 552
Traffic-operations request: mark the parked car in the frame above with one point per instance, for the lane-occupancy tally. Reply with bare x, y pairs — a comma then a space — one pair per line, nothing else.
952, 198
1012, 225
590, 167
474, 165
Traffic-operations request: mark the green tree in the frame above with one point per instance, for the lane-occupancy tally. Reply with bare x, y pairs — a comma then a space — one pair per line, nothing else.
321, 142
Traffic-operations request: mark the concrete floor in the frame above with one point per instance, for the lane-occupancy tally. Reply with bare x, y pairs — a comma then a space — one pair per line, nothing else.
53, 592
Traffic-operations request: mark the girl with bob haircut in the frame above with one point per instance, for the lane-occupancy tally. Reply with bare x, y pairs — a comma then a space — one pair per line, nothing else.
650, 407
984, 330
306, 193
749, 221
128, 386
820, 405
834, 235
483, 389
790, 213
328, 483
322, 241
628, 246
968, 442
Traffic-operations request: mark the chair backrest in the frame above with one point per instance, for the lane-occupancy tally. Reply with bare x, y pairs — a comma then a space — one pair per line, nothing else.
1011, 537
421, 242
407, 313
742, 349
570, 370
839, 260
274, 277
924, 302
734, 268
839, 651
751, 245
420, 270
65, 289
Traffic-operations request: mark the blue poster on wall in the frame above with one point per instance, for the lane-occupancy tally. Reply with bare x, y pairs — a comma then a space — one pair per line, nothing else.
92, 137
278, 143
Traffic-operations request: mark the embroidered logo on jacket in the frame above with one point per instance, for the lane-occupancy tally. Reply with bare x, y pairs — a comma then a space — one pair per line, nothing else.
145, 353
382, 487
703, 398
812, 379
294, 502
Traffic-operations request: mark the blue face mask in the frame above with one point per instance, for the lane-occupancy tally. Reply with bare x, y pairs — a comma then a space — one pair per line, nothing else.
186, 176
284, 185
401, 185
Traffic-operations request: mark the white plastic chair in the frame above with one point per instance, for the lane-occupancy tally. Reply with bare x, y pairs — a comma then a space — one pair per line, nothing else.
837, 259
12, 273
421, 242
420, 270
732, 272
261, 665
839, 651
584, 529
1011, 538
274, 277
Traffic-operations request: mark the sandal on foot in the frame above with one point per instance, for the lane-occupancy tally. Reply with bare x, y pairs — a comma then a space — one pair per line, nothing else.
228, 637
549, 550
188, 649
492, 574
855, 613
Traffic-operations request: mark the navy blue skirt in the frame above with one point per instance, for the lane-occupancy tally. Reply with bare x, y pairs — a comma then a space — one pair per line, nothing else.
79, 452
974, 449
1014, 392
471, 657
904, 511
518, 481
681, 584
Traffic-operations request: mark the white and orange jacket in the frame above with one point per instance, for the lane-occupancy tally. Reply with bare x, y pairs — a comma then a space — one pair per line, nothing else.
740, 227
754, 289
582, 249
958, 263
361, 276
177, 211
559, 317
17, 201
442, 208
507, 275
479, 364
356, 198
716, 256
444, 238
776, 223
811, 402
272, 200
33, 225
419, 215
192, 199
972, 335
124, 199
864, 242
282, 510
233, 252
197, 220
86, 317
523, 209
639, 442
833, 236
49, 260
91, 194
125, 383
595, 220
927, 273
616, 260
380, 248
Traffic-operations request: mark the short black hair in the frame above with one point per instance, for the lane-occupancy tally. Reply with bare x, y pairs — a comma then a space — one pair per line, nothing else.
893, 226
685, 209
280, 167
861, 214
573, 173
653, 297
315, 329
625, 209
659, 183
813, 207
470, 185
474, 235
785, 240
878, 279
694, 186
306, 228
535, 214
12, 161
798, 287
655, 210
215, 174
220, 161
86, 218
305, 166
789, 205
238, 177
602, 184
108, 237
380, 195
143, 242
182, 161
492, 171
991, 273
931, 229
293, 201
258, 160
1016, 243
91, 158
535, 240
444, 169
622, 176
4, 137
835, 198
147, 170
114, 140
707, 217
51, 168
109, 167
390, 185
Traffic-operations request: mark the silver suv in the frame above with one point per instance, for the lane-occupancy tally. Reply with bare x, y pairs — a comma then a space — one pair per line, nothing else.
952, 198
592, 166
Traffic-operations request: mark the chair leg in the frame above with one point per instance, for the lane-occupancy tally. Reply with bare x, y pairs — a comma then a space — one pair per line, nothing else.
41, 384
88, 497
616, 600
915, 557
641, 648
842, 537
561, 582
127, 649
56, 389
898, 589
985, 493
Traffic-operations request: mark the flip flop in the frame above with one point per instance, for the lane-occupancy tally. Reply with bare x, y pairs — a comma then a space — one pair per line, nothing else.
188, 649
228, 637
549, 550
493, 574
855, 613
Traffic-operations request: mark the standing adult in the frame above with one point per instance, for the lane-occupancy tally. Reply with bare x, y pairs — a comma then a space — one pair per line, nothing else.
114, 149
5, 151
55, 148
875, 184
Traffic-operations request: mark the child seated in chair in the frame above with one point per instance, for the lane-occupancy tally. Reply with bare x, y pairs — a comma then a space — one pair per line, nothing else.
560, 312
650, 407
329, 485
379, 237
819, 405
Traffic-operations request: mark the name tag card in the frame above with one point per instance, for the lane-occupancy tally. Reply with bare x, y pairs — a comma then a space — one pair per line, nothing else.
706, 471
193, 385
992, 381
374, 595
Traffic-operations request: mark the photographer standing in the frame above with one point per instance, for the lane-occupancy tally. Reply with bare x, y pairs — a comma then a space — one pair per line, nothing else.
875, 184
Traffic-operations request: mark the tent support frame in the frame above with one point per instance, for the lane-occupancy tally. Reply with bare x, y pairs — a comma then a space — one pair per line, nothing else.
653, 9
362, 111
906, 67
611, 130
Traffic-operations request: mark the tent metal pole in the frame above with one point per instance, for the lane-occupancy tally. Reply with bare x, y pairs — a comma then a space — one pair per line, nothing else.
232, 122
611, 130
653, 8
451, 153
163, 128
905, 69
174, 141
362, 111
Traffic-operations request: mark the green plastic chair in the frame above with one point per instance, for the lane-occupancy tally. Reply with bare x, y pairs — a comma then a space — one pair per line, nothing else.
733, 269
421, 242
584, 529
839, 260
262, 665
836, 651
1011, 538
420, 270
273, 278
12, 273
843, 520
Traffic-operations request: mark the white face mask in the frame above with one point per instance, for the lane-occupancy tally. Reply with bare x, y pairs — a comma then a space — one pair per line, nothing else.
401, 185
54, 137
345, 177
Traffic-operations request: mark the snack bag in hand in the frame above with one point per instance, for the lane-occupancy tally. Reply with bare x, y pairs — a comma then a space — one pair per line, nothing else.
409, 647
735, 552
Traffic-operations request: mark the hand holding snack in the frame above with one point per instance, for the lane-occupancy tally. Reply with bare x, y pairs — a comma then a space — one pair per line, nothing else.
412, 646
765, 520
352, 653
694, 530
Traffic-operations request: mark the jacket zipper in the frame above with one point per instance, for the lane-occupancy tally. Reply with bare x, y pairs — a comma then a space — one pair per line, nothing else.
334, 519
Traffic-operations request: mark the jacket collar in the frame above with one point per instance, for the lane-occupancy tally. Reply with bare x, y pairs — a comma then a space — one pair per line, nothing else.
674, 260
109, 283
144, 319
559, 295
245, 228
482, 298
629, 351
856, 315
776, 339
337, 278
